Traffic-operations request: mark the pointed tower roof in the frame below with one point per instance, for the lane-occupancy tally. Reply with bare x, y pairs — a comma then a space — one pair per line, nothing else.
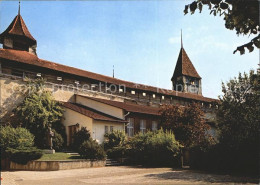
18, 28
184, 66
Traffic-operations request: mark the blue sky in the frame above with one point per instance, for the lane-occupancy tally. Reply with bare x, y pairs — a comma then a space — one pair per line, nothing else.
140, 38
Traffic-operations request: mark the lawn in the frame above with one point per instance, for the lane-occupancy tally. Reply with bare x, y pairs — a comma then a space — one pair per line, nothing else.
58, 156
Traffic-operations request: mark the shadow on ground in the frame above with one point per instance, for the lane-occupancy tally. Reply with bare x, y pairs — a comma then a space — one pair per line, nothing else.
192, 176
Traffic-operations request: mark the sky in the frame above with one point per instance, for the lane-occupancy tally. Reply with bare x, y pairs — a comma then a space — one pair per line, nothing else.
140, 38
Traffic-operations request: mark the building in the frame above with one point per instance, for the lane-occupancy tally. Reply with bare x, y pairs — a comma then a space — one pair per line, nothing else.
98, 102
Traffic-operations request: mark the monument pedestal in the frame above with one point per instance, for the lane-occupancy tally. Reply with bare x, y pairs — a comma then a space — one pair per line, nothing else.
49, 151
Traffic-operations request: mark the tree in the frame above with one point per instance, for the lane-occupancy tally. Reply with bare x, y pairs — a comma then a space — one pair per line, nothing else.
187, 123
38, 111
241, 15
239, 111
238, 122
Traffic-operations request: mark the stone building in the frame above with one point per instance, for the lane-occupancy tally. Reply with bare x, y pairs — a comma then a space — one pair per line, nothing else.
98, 102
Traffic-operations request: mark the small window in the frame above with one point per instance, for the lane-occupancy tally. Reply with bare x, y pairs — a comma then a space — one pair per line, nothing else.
121, 90
162, 97
106, 129
111, 128
154, 96
154, 125
130, 127
209, 105
144, 94
202, 104
142, 126
38, 74
76, 82
59, 78
132, 92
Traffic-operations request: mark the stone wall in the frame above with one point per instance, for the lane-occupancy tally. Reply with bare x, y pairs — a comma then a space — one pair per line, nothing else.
56, 165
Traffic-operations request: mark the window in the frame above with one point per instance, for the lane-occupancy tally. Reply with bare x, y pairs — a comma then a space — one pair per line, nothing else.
111, 128
154, 125
154, 96
106, 129
38, 74
130, 127
144, 94
162, 97
142, 126
76, 82
59, 78
121, 90
132, 92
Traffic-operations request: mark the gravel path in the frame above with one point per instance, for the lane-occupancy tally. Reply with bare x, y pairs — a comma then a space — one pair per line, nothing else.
119, 175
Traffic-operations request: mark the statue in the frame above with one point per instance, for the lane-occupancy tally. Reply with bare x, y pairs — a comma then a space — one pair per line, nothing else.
50, 136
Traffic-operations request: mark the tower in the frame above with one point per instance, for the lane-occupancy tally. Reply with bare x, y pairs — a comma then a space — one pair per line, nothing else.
18, 37
185, 77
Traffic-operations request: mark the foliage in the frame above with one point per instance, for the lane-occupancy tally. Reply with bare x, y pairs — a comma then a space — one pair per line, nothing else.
154, 148
238, 122
114, 139
117, 152
38, 111
14, 138
241, 15
17, 145
22, 155
239, 111
90, 149
187, 123
57, 141
80, 137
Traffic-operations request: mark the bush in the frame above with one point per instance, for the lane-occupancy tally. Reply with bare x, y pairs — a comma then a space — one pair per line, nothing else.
155, 148
80, 137
15, 138
117, 152
114, 139
23, 155
92, 150
57, 141
17, 145
223, 158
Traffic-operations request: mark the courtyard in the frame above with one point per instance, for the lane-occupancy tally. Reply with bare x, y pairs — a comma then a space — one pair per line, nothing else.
120, 175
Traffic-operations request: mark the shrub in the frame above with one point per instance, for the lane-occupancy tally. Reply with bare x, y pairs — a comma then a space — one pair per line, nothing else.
17, 145
57, 141
14, 138
117, 152
23, 155
155, 148
90, 149
114, 139
79, 138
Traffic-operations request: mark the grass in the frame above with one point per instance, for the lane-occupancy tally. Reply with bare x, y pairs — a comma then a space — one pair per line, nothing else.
58, 156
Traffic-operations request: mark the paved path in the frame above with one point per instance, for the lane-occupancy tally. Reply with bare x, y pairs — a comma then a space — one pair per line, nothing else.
119, 175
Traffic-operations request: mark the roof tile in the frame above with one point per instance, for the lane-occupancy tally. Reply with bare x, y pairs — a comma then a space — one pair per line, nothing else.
28, 58
87, 111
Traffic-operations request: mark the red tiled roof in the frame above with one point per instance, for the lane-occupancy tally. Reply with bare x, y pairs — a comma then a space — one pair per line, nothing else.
28, 58
184, 66
94, 114
128, 107
18, 27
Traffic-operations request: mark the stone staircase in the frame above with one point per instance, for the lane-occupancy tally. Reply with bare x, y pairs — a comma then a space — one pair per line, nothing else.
112, 162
